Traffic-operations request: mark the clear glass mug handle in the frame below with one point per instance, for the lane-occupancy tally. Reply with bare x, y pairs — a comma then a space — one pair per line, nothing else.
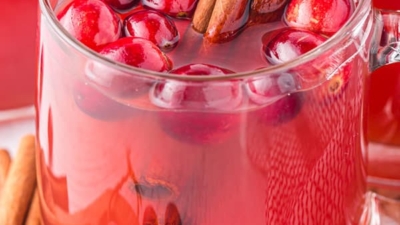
386, 47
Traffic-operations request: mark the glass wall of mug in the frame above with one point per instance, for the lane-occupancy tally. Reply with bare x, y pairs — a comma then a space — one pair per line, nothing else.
18, 22
275, 145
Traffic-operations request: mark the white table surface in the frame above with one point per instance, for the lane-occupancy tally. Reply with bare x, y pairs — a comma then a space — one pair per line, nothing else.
13, 129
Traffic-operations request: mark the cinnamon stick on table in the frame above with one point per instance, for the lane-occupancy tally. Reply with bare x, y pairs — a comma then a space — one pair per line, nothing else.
5, 161
20, 184
33, 217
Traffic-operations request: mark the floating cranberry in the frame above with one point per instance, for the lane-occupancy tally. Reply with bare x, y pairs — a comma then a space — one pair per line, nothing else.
174, 8
321, 16
132, 51
277, 93
96, 105
92, 22
290, 43
153, 26
117, 83
198, 112
121, 5
137, 52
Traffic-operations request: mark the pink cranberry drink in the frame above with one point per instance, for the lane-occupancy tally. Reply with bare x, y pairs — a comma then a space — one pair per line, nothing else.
18, 22
192, 113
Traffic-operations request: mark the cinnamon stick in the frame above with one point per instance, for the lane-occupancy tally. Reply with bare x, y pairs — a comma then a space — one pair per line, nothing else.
220, 20
33, 217
202, 15
19, 186
264, 11
266, 6
5, 161
227, 18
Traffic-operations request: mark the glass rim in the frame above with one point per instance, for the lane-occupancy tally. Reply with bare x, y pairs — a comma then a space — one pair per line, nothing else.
351, 23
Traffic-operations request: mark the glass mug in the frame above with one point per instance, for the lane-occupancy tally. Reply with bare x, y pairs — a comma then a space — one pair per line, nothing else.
111, 153
384, 102
18, 22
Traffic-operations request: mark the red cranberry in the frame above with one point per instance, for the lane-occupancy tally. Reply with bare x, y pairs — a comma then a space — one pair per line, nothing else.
277, 95
132, 51
174, 8
321, 16
291, 43
153, 26
117, 83
92, 22
137, 52
96, 105
121, 5
192, 106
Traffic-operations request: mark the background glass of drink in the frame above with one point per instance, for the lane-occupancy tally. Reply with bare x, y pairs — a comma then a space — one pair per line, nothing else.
156, 148
384, 101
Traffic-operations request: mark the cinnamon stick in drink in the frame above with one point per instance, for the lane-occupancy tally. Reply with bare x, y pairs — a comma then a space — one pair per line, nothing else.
33, 217
227, 19
5, 161
264, 11
19, 186
202, 15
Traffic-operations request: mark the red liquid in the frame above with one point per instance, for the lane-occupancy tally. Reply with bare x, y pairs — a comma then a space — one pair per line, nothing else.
129, 169
18, 22
384, 123
386, 4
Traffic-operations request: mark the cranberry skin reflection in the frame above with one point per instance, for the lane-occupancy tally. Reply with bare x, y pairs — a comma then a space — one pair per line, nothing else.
276, 94
121, 5
320, 16
153, 26
201, 70
92, 22
136, 52
196, 121
291, 43
96, 105
173, 8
